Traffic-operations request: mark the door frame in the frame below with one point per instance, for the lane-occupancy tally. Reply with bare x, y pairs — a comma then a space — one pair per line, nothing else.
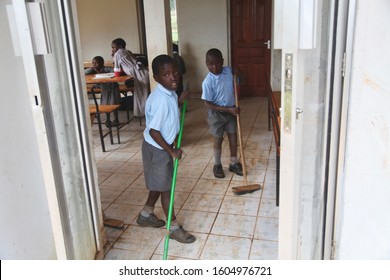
337, 119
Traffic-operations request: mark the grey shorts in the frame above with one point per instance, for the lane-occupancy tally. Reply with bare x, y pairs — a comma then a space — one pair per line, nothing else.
158, 168
221, 122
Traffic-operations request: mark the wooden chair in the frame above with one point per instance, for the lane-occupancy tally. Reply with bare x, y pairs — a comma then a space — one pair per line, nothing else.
125, 89
96, 109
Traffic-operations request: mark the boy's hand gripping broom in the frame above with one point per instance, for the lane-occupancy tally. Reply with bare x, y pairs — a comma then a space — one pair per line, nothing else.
247, 188
175, 167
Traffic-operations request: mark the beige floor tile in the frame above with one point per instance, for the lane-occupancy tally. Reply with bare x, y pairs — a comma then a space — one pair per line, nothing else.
141, 239
180, 199
120, 156
214, 186
226, 248
102, 176
108, 166
240, 205
234, 225
185, 171
119, 181
267, 229
196, 221
112, 235
108, 195
203, 202
119, 254
195, 160
133, 168
133, 197
255, 163
126, 213
181, 250
185, 184
139, 183
268, 208
264, 250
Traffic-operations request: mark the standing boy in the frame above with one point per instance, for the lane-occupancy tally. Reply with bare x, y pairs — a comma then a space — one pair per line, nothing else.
218, 96
162, 126
125, 61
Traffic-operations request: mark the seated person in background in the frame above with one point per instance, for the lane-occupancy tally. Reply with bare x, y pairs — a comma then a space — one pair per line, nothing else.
110, 91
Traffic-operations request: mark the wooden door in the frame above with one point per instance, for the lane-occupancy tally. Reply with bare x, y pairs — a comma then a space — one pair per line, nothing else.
250, 31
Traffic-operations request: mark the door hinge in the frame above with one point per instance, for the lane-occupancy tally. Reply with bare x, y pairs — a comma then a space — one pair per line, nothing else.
343, 64
333, 250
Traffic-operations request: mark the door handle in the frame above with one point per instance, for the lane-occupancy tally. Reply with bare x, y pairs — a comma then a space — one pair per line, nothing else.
268, 43
297, 112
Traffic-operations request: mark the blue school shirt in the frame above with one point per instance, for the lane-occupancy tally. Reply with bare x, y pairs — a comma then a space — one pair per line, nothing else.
162, 114
218, 89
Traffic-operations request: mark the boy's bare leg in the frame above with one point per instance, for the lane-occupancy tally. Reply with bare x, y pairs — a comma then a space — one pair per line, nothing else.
218, 142
165, 199
233, 144
235, 166
217, 169
152, 198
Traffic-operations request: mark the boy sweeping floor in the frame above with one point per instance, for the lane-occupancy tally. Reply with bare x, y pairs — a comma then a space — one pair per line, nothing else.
162, 127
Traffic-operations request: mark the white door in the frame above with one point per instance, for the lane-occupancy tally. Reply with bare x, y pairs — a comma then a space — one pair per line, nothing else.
48, 184
294, 34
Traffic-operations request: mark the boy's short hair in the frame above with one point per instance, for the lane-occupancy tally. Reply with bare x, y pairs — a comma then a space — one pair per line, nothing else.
99, 59
161, 60
215, 53
119, 42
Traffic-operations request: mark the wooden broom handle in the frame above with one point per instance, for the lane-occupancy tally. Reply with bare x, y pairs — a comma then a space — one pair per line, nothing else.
239, 131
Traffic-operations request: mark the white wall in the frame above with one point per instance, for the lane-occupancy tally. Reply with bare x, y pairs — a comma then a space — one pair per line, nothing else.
25, 228
202, 25
364, 195
101, 21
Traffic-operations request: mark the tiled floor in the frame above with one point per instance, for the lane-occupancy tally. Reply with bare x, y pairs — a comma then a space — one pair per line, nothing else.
226, 226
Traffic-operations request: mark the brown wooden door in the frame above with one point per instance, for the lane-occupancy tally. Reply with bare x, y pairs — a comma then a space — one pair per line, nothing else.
250, 30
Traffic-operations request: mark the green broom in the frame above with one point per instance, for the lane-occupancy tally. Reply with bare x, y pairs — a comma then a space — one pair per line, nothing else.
175, 167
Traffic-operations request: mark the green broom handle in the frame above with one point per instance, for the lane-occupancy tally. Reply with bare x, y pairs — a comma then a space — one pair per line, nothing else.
175, 167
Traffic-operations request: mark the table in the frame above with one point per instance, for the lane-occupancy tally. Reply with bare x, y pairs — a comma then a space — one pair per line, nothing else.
90, 79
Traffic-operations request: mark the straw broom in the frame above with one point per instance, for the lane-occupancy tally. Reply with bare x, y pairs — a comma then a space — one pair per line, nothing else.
246, 188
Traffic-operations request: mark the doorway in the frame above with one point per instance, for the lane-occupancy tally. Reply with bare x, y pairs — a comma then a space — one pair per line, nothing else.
250, 44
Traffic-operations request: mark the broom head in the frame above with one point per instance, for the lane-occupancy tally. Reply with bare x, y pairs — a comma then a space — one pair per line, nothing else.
114, 223
246, 189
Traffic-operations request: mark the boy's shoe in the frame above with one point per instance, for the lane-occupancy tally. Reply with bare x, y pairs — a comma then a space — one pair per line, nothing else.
151, 221
218, 171
181, 235
236, 168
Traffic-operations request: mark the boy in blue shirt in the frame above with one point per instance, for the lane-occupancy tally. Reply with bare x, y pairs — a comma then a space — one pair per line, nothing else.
218, 96
162, 126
